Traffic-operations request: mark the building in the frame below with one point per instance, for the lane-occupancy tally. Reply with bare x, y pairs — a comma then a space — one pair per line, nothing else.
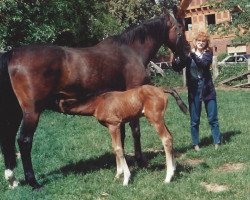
199, 15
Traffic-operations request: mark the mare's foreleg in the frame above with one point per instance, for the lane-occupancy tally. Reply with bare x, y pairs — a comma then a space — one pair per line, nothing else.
28, 127
9, 131
10, 118
135, 128
121, 164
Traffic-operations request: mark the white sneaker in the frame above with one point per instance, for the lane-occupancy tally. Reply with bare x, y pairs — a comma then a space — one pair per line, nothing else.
196, 147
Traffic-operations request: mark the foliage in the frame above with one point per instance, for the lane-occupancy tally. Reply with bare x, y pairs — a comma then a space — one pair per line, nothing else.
163, 51
71, 23
226, 72
73, 158
221, 56
134, 11
175, 79
104, 25
240, 10
171, 78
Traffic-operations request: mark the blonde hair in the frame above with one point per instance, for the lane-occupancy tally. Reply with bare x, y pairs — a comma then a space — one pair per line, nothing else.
203, 37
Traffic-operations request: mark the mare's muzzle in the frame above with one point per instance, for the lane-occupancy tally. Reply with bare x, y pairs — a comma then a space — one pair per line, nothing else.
182, 47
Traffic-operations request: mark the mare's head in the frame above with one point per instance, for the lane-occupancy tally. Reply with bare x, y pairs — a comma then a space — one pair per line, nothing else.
148, 36
176, 39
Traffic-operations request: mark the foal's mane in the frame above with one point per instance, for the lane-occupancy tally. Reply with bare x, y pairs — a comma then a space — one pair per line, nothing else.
153, 28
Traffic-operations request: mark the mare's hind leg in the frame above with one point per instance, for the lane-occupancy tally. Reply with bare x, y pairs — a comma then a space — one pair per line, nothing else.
135, 127
28, 127
122, 129
121, 164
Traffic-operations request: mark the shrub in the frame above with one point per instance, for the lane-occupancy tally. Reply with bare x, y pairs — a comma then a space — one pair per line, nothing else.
171, 78
226, 72
221, 56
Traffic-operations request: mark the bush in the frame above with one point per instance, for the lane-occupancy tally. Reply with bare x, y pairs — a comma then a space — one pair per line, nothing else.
221, 56
171, 78
226, 72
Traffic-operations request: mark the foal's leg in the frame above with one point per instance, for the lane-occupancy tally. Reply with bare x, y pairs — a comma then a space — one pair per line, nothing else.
28, 127
135, 128
121, 164
167, 141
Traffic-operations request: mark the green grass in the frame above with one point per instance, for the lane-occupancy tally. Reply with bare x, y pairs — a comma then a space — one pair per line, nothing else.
73, 159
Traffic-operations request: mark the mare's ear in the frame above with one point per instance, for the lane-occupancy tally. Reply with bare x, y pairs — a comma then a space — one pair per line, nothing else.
175, 10
165, 11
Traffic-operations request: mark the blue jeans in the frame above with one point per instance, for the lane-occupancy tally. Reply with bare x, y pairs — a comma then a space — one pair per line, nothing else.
195, 105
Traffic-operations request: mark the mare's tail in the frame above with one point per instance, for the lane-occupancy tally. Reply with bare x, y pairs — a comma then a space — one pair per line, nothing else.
178, 99
10, 113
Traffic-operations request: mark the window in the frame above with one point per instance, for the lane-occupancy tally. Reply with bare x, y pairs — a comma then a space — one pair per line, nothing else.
240, 59
230, 59
210, 19
188, 24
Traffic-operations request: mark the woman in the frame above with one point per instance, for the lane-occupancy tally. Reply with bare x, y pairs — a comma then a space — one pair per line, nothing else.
200, 88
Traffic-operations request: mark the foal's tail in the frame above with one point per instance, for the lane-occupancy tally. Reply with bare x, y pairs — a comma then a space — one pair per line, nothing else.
10, 114
178, 99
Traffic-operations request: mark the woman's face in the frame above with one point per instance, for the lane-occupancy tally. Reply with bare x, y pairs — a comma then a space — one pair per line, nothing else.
201, 44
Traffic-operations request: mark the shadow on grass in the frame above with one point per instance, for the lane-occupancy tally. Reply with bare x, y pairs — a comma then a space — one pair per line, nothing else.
107, 161
225, 138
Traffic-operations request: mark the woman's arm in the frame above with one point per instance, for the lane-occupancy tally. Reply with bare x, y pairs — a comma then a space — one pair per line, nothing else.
203, 62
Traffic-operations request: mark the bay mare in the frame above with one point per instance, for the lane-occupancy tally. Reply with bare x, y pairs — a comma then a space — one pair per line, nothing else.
112, 109
35, 77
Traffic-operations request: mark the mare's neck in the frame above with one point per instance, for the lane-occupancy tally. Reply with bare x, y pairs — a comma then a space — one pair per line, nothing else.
146, 50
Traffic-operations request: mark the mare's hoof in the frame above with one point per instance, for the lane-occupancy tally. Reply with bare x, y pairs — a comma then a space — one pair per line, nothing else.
142, 163
37, 187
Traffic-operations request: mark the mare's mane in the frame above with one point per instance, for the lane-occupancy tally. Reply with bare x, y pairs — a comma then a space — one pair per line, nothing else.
154, 28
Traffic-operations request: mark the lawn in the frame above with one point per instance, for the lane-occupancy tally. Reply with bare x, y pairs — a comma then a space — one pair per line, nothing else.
73, 159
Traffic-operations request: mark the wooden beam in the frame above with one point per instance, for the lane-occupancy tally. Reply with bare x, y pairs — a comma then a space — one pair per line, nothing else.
182, 8
243, 85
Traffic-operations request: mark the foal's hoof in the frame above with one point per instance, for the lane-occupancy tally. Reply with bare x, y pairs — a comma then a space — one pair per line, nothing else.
167, 180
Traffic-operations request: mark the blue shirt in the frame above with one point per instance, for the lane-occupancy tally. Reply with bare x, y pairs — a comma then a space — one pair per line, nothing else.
200, 66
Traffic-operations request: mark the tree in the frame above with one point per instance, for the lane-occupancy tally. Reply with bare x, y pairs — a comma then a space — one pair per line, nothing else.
60, 22
70, 23
240, 10
130, 12
134, 11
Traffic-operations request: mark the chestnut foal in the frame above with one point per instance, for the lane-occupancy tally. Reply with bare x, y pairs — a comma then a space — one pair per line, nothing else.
112, 109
